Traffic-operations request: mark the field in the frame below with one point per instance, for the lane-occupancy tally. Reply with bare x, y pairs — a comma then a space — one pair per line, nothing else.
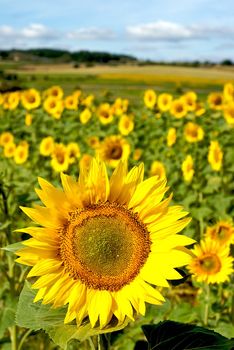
111, 246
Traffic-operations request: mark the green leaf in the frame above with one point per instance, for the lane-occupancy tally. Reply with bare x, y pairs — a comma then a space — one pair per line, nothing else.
7, 317
174, 335
35, 315
14, 247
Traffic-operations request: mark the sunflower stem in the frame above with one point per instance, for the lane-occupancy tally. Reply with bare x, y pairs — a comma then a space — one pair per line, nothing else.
207, 304
13, 334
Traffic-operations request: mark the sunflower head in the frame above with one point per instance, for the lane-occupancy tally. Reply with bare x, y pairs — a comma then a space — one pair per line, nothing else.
113, 149
222, 232
211, 263
103, 243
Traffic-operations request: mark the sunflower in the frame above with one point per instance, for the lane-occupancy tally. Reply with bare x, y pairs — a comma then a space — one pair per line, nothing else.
85, 116
104, 113
112, 149
60, 158
215, 100
104, 243
85, 162
55, 91
47, 146
88, 101
228, 112
193, 132
211, 263
12, 100
73, 151
200, 109
120, 106
190, 100
126, 125
222, 232
187, 168
164, 102
93, 142
9, 150
137, 154
6, 138
228, 92
30, 99
71, 103
215, 156
150, 98
171, 137
178, 108
21, 154
158, 169
53, 106
28, 119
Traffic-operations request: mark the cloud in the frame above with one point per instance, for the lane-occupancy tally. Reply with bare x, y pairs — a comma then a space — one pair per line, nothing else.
91, 33
170, 31
38, 31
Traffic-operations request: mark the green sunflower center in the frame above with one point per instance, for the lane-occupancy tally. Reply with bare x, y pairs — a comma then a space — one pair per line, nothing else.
210, 264
104, 246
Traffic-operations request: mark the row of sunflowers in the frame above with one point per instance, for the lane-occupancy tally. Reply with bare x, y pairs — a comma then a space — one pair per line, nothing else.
187, 140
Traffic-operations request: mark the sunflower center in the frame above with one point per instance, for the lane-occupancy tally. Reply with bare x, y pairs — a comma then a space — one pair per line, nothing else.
104, 246
210, 264
116, 152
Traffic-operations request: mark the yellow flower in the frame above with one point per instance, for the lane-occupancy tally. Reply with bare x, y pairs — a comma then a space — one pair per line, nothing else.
11, 100
178, 108
215, 100
60, 158
158, 169
193, 132
55, 91
190, 99
104, 113
104, 243
6, 138
171, 137
53, 106
71, 102
1, 98
126, 125
85, 162
228, 92
77, 94
85, 116
229, 113
120, 106
30, 99
73, 150
21, 154
187, 168
211, 263
215, 156
222, 232
28, 119
47, 146
137, 154
200, 109
9, 150
88, 101
112, 149
164, 102
150, 98
93, 141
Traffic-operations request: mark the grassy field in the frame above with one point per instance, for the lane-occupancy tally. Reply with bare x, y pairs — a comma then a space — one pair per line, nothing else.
126, 81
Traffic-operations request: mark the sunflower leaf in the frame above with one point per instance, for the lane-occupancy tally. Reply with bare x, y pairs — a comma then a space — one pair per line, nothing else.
174, 335
35, 315
13, 247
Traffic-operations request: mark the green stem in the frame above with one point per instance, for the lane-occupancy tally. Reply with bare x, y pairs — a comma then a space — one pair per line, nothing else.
13, 333
23, 338
207, 302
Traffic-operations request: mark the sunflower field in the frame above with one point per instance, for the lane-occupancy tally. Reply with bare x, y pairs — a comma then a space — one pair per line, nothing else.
94, 194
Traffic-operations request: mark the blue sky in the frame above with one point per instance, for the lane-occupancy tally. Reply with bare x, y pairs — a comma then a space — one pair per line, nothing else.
159, 30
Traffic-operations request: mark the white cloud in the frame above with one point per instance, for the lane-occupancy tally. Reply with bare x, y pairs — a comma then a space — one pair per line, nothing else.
170, 31
91, 33
37, 31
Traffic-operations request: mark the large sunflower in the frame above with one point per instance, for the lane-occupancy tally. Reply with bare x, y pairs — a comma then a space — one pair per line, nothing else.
104, 243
